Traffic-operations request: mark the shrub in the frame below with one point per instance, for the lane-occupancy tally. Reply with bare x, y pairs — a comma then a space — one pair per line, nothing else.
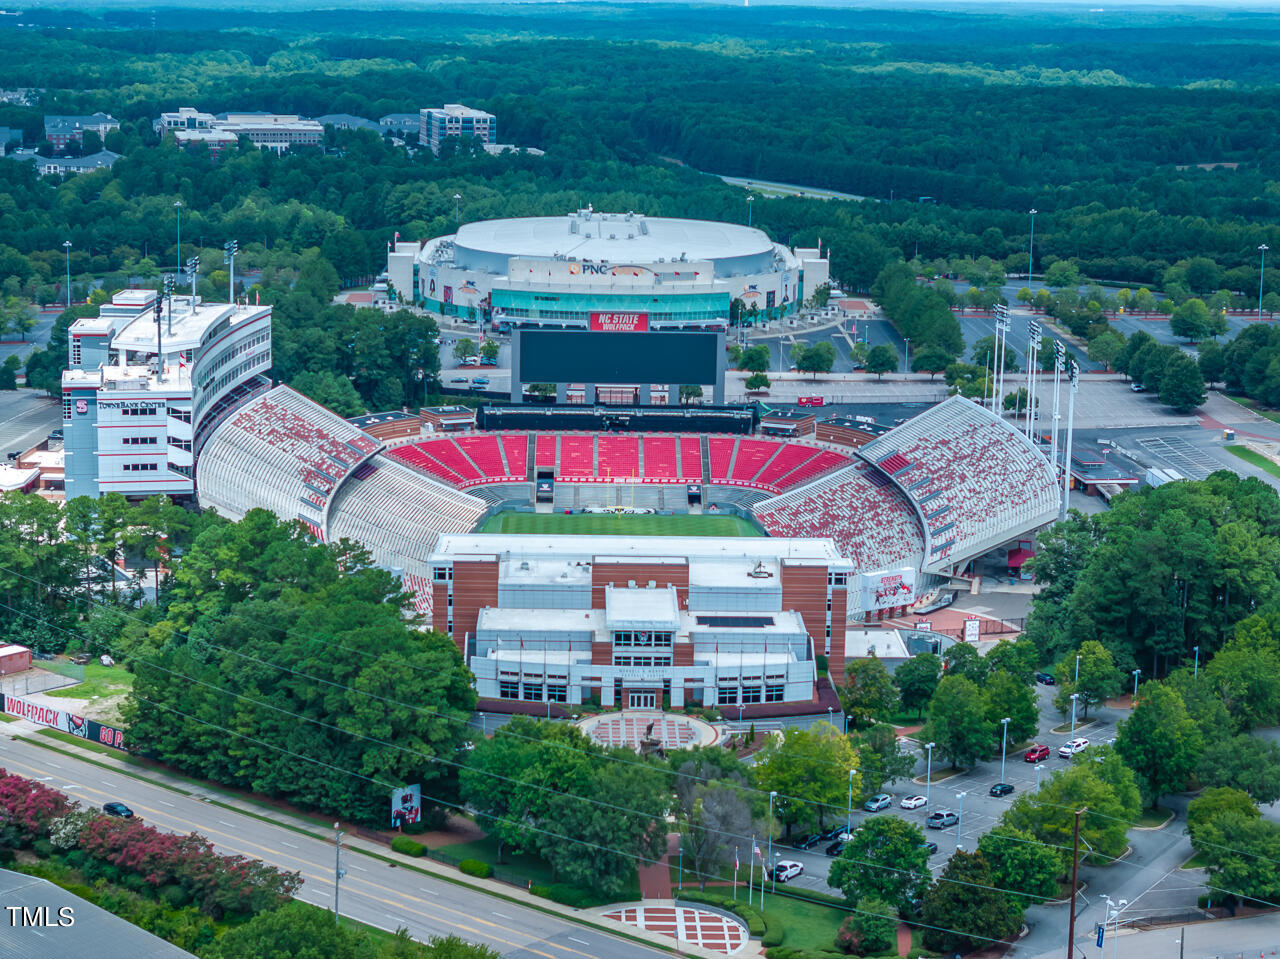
774, 931
474, 867
42, 848
756, 924
567, 895
406, 846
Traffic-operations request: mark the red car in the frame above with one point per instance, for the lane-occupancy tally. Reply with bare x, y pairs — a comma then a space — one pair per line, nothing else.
1036, 753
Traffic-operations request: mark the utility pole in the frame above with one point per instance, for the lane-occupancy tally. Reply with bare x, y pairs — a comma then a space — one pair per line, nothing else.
1075, 873
339, 872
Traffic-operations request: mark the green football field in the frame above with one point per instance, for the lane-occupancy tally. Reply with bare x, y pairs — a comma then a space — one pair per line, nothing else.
615, 525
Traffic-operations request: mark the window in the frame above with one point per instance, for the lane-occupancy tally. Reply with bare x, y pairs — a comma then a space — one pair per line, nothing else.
727, 696
836, 579
177, 414
750, 694
533, 692
141, 467
508, 690
139, 441
773, 694
442, 574
558, 694
66, 408
75, 351
628, 638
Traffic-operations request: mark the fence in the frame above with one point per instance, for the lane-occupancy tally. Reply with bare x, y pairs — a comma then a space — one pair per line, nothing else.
49, 675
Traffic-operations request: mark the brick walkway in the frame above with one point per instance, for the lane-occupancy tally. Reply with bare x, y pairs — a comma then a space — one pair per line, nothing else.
655, 877
709, 930
627, 730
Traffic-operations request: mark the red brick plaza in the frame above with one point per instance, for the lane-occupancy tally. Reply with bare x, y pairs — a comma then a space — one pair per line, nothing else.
697, 927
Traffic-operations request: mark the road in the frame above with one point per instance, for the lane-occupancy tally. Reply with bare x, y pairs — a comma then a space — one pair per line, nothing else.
37, 336
373, 891
26, 417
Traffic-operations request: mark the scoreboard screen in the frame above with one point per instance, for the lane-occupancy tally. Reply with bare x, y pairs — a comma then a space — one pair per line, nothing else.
578, 356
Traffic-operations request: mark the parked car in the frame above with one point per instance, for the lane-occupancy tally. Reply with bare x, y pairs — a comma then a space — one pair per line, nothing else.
930, 846
941, 819
833, 833
1138, 388
117, 809
1000, 789
805, 842
877, 802
835, 849
1067, 750
81, 659
459, 379
1045, 679
1036, 753
912, 802
480, 381
786, 870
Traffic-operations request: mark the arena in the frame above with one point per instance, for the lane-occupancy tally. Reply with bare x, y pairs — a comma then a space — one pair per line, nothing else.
604, 271
642, 568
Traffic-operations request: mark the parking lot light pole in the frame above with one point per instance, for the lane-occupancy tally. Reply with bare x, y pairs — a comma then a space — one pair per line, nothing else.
960, 813
1077, 679
773, 873
1074, 697
1039, 766
67, 246
848, 811
1136, 674
1004, 742
1262, 273
750, 200
928, 774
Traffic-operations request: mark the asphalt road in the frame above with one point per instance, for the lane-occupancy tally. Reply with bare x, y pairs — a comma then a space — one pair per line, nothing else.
26, 417
37, 336
373, 891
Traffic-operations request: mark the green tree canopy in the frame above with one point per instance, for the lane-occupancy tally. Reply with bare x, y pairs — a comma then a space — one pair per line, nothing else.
917, 679
809, 769
958, 721
963, 911
1159, 741
886, 858
868, 691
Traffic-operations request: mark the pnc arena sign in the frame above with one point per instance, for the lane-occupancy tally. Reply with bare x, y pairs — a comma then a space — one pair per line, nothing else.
620, 322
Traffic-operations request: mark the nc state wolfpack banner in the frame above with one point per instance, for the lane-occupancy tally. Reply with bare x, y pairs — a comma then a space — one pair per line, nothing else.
60, 719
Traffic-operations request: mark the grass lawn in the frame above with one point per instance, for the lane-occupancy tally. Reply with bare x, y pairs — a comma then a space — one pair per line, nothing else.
99, 681
1151, 818
1198, 861
522, 865
1254, 458
907, 718
610, 524
809, 925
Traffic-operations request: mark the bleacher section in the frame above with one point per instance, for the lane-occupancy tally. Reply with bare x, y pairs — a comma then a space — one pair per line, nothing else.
619, 456
871, 524
465, 460
773, 466
976, 481
397, 515
282, 452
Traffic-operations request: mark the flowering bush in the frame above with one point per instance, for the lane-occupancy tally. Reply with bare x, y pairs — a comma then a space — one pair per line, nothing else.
27, 809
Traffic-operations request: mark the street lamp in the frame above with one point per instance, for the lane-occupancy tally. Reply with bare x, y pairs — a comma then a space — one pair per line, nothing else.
1031, 253
774, 876
457, 208
831, 716
1074, 697
1136, 674
960, 813
1039, 766
1196, 673
1004, 741
67, 245
750, 200
928, 773
680, 877
907, 339
1262, 272
1077, 679
1113, 913
177, 205
848, 810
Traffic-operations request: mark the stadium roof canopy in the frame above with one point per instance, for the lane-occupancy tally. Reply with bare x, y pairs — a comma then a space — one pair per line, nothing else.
613, 238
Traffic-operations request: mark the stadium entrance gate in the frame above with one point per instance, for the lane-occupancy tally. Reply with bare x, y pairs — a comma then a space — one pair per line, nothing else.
642, 699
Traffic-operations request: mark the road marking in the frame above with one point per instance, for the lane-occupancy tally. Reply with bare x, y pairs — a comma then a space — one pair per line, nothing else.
169, 804
229, 825
501, 916
289, 844
429, 892
361, 868
581, 942
54, 765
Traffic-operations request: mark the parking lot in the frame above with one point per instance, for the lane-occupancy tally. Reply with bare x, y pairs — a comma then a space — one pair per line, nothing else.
978, 811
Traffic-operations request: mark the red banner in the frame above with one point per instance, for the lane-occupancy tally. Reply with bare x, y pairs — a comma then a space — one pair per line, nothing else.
809, 401
620, 322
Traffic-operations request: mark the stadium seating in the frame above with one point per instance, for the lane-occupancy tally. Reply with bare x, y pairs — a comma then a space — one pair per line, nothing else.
972, 476
771, 465
577, 456
465, 460
721, 449
750, 459
618, 456
660, 461
516, 448
547, 452
690, 458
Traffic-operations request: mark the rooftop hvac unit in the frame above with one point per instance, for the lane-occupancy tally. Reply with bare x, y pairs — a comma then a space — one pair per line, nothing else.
573, 226
613, 236
644, 228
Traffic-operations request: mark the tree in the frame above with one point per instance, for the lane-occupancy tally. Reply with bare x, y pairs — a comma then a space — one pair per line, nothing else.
881, 760
809, 769
932, 360
1271, 303
886, 858
1017, 400
882, 359
758, 381
1106, 347
331, 391
755, 359
1098, 681
1159, 741
1235, 844
962, 910
690, 392
916, 680
1182, 384
1216, 802
1008, 696
1245, 673
17, 316
1245, 762
489, 350
464, 348
1212, 362
1019, 862
1190, 320
868, 691
984, 353
961, 659
1018, 659
816, 359
872, 930
720, 817
958, 721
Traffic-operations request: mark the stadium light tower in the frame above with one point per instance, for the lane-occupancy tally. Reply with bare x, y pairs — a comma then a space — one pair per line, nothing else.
1074, 376
1262, 274
229, 252
750, 200
457, 208
1033, 360
177, 206
1059, 366
1002, 331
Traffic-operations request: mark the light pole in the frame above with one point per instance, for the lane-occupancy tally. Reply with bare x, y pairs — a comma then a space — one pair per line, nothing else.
680, 878
750, 200
1262, 273
1004, 740
457, 208
338, 871
907, 364
1196, 673
960, 813
773, 876
1113, 913
177, 205
848, 809
484, 725
67, 245
1077, 679
1039, 766
1136, 674
928, 773
831, 716
1031, 252
1074, 697
229, 251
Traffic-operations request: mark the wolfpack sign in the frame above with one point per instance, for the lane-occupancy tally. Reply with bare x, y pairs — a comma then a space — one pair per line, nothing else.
620, 322
60, 719
888, 588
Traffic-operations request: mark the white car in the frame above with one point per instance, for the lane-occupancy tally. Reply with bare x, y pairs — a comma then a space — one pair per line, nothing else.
912, 802
1070, 749
786, 870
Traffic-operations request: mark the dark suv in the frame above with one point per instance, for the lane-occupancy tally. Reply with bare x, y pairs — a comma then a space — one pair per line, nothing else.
117, 809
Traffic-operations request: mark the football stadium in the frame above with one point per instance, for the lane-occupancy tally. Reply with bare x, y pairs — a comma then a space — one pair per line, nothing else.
647, 556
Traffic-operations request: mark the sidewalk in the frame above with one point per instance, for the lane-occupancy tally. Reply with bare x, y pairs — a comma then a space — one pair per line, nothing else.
1248, 938
655, 877
321, 827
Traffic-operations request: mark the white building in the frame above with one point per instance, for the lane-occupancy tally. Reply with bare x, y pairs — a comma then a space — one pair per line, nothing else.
185, 118
147, 381
272, 131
